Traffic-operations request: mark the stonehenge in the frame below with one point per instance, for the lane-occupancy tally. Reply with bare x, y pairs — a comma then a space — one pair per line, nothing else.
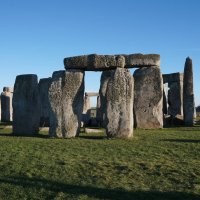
94, 62
43, 87
119, 104
188, 93
105, 76
6, 104
66, 95
148, 101
124, 101
174, 93
26, 105
89, 116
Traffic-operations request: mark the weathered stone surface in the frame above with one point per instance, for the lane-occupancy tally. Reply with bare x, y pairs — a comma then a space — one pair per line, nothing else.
26, 105
105, 77
6, 104
94, 62
66, 95
141, 60
119, 104
43, 86
148, 101
173, 77
86, 107
175, 93
92, 94
188, 93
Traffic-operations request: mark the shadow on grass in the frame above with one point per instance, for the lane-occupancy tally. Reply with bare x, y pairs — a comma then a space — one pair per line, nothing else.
181, 140
23, 135
94, 192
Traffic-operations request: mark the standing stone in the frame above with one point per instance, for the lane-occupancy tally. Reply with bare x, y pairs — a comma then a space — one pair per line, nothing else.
119, 104
188, 93
98, 116
66, 95
43, 86
148, 103
26, 105
175, 93
86, 107
105, 77
6, 104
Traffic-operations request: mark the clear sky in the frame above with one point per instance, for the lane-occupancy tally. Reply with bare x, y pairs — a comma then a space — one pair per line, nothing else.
35, 35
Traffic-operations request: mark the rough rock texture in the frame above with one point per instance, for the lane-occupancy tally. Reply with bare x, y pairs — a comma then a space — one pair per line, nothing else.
119, 104
66, 95
142, 60
6, 104
44, 85
175, 93
26, 105
86, 107
105, 77
148, 102
188, 93
94, 62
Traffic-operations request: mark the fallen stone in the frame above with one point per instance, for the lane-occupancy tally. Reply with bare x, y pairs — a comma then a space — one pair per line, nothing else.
66, 95
148, 101
119, 104
94, 62
26, 105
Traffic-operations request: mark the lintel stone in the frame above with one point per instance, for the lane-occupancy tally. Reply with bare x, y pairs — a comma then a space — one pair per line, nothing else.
94, 62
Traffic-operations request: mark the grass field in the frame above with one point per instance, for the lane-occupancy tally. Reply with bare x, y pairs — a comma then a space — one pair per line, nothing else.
155, 164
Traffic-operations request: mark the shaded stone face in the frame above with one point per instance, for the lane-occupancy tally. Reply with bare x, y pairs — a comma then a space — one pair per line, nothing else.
188, 93
119, 104
66, 95
175, 93
148, 101
94, 62
26, 105
105, 77
6, 104
44, 85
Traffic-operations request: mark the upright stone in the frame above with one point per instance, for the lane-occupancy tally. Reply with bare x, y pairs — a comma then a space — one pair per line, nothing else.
26, 105
66, 95
174, 93
44, 85
188, 93
86, 107
6, 104
148, 103
105, 77
119, 104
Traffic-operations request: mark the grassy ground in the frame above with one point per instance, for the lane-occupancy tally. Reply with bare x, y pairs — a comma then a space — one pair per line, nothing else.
155, 164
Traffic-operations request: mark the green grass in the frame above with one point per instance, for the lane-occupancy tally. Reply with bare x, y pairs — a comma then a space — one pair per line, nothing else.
155, 164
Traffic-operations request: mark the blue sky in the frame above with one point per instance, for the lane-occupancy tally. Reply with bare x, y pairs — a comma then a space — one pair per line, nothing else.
36, 35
